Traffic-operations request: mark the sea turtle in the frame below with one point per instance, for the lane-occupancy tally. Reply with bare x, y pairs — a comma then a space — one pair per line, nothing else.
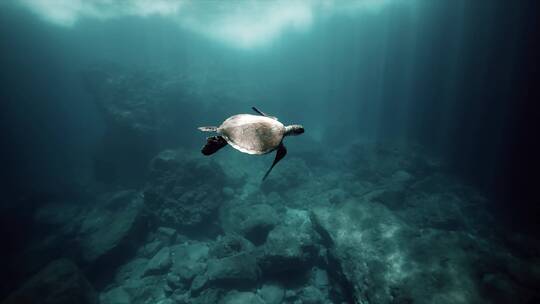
252, 134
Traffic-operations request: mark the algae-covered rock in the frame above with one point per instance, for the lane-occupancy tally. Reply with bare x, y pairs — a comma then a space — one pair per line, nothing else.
254, 222
189, 260
238, 297
116, 295
271, 293
184, 191
160, 263
229, 245
112, 229
311, 295
292, 245
240, 269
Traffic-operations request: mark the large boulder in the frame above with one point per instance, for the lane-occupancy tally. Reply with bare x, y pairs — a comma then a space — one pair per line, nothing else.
387, 161
60, 282
240, 270
229, 245
378, 258
98, 236
111, 231
160, 263
131, 284
271, 293
289, 174
134, 109
116, 295
184, 192
189, 260
292, 245
245, 297
149, 289
254, 222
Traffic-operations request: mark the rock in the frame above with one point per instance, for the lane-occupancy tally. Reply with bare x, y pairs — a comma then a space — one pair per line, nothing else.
391, 197
402, 176
174, 281
181, 297
290, 294
167, 235
237, 270
441, 211
320, 278
57, 215
236, 297
357, 248
376, 257
115, 296
167, 290
150, 249
271, 293
229, 245
199, 283
253, 222
176, 199
311, 295
60, 282
231, 270
160, 263
132, 270
133, 108
108, 234
291, 174
181, 239
209, 295
337, 195
292, 245
228, 192
376, 161
100, 235
189, 260
149, 289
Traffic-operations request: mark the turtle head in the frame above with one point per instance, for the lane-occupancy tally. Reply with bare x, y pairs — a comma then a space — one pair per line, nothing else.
294, 130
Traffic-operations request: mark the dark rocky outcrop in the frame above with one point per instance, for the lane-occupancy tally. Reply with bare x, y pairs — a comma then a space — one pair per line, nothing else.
160, 263
184, 192
112, 227
145, 109
254, 222
236, 297
98, 236
189, 260
60, 282
291, 246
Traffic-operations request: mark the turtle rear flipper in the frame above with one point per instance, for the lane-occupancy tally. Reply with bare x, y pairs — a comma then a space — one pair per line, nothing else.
213, 144
280, 153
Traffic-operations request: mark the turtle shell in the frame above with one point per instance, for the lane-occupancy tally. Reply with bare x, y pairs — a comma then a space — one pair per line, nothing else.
252, 134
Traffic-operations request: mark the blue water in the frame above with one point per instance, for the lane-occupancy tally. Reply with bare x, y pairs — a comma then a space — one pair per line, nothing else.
413, 181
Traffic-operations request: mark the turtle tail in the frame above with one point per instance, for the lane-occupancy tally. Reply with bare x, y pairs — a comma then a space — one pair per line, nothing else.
208, 129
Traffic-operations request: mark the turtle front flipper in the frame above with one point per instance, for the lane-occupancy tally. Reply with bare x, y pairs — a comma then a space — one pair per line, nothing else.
213, 144
280, 153
262, 113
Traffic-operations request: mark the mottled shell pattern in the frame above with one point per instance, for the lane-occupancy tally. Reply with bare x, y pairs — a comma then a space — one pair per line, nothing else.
252, 134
